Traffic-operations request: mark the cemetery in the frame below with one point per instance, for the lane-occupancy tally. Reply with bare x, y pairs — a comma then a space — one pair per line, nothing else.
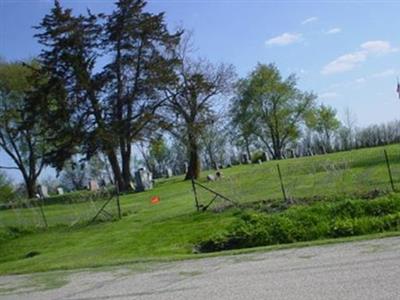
125, 146
172, 227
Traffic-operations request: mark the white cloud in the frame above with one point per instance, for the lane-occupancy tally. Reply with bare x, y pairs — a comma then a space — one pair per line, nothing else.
334, 30
360, 80
386, 73
284, 39
309, 20
328, 95
378, 47
344, 63
349, 61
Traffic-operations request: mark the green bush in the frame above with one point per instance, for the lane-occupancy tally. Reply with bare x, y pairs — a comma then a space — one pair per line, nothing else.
305, 223
256, 156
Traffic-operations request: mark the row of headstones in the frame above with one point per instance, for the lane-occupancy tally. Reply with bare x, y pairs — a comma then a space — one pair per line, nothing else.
144, 179
43, 191
289, 153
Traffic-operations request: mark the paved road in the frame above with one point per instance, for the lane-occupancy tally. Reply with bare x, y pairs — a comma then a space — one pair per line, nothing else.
359, 270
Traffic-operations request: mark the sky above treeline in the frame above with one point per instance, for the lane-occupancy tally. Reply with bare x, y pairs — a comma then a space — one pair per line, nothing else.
347, 52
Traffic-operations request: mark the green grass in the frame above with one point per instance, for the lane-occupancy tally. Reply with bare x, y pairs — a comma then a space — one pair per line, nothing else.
172, 228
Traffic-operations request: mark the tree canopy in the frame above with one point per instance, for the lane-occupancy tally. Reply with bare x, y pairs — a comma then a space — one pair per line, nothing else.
271, 107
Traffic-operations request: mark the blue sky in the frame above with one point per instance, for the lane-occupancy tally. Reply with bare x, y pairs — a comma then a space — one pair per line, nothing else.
348, 52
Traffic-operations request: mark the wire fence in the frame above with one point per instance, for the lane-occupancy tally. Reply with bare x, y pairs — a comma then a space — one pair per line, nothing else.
364, 173
83, 209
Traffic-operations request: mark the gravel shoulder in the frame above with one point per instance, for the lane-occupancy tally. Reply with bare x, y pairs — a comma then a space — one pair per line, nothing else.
355, 270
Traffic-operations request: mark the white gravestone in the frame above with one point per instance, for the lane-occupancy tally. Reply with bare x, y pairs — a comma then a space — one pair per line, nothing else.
143, 180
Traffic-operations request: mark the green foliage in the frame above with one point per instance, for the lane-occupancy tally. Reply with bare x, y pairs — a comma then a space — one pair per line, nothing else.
271, 107
21, 137
104, 107
256, 156
6, 189
323, 120
305, 223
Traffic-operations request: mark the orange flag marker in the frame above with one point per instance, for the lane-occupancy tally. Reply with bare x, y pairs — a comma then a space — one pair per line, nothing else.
155, 200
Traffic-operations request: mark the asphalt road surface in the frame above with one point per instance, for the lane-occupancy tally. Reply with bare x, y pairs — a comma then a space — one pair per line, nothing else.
357, 270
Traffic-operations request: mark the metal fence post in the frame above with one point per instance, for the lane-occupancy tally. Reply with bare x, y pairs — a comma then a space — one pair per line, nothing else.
281, 180
389, 170
118, 204
41, 204
195, 194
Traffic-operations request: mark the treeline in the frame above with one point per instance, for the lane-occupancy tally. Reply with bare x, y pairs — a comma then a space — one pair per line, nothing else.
121, 89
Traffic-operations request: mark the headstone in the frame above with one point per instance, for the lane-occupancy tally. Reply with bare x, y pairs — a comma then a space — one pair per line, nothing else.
265, 156
210, 177
93, 186
169, 173
60, 191
185, 167
143, 180
43, 191
245, 159
259, 162
102, 182
290, 153
132, 185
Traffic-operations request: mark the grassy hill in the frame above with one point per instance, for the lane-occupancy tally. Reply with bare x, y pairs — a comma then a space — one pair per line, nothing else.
172, 228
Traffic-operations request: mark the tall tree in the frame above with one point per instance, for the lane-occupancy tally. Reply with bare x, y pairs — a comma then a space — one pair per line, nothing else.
23, 141
241, 118
214, 140
323, 120
156, 155
275, 106
143, 58
192, 101
105, 108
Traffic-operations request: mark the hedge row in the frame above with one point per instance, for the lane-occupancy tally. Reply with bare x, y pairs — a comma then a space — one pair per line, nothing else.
306, 223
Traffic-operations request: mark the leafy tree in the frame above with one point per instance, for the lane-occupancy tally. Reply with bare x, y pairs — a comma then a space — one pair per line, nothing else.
191, 103
324, 121
274, 107
143, 58
215, 139
104, 108
21, 138
156, 155
242, 127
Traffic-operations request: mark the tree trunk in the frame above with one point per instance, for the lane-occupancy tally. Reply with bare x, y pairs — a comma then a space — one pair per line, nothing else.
126, 168
118, 179
277, 152
246, 140
194, 160
30, 184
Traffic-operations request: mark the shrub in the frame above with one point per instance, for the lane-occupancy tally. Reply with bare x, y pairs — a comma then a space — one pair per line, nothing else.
305, 223
256, 156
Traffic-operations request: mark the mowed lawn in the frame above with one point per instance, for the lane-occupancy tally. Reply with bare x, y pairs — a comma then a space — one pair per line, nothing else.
172, 227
